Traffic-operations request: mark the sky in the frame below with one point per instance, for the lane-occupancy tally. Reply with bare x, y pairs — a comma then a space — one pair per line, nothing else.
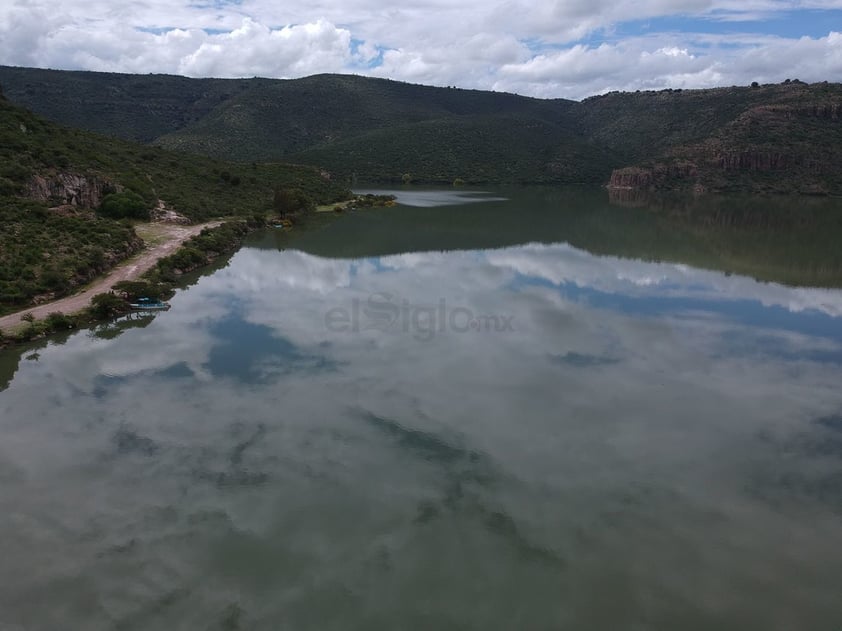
549, 49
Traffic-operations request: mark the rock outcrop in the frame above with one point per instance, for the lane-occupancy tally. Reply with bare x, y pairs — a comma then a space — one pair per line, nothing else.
760, 160
642, 178
164, 214
828, 110
69, 189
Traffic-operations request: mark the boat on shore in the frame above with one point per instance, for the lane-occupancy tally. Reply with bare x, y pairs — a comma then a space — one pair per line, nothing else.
148, 304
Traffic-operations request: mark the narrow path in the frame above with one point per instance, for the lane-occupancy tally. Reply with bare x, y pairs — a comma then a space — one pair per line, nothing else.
162, 240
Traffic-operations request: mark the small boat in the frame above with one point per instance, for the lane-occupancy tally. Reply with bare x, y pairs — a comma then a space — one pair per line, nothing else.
148, 304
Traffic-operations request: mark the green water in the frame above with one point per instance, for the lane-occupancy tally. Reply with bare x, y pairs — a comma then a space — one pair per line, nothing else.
526, 409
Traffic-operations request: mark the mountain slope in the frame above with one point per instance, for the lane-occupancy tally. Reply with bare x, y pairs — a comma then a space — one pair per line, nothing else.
732, 138
133, 107
53, 181
275, 118
474, 149
784, 138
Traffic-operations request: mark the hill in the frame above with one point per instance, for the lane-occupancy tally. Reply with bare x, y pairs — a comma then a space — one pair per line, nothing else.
769, 138
63, 190
780, 138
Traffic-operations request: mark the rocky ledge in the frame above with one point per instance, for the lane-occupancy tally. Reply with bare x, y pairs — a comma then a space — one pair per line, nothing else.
69, 189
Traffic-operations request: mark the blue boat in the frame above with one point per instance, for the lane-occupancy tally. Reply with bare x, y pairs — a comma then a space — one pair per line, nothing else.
148, 304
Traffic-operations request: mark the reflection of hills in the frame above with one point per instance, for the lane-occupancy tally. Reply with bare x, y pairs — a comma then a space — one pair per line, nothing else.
629, 197
792, 241
10, 358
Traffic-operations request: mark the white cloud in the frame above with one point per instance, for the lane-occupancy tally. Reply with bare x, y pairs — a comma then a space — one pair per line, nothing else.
512, 46
660, 62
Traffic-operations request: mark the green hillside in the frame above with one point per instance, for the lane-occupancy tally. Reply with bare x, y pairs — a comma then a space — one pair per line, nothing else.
752, 138
782, 138
275, 118
475, 149
56, 183
132, 107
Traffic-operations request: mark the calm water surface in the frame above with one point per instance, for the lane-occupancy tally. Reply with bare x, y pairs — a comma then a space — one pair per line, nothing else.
513, 410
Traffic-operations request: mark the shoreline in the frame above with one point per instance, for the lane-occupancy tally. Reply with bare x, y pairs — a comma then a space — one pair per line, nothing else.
166, 239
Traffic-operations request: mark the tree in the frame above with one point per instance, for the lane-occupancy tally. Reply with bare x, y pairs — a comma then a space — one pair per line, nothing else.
125, 205
291, 200
107, 305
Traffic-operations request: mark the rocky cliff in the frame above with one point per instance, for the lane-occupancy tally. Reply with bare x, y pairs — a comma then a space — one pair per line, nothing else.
754, 160
641, 178
69, 189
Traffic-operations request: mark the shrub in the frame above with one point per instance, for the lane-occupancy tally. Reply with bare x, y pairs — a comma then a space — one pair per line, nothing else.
57, 321
7, 187
291, 200
125, 205
107, 305
52, 279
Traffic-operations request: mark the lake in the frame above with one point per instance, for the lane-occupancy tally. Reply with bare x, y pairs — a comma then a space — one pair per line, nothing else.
515, 409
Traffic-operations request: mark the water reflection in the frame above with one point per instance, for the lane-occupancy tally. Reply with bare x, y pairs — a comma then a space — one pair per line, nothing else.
652, 435
787, 240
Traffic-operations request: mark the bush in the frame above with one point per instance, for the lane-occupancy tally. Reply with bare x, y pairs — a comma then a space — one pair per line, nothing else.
57, 321
7, 187
291, 200
105, 306
125, 205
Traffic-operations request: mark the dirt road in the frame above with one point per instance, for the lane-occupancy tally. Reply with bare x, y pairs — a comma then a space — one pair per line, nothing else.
161, 240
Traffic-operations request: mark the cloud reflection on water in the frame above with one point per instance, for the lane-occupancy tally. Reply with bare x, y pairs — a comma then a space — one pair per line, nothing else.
636, 411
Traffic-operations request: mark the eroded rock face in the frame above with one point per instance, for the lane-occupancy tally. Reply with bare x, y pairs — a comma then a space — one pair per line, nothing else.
757, 161
641, 178
631, 178
69, 189
827, 110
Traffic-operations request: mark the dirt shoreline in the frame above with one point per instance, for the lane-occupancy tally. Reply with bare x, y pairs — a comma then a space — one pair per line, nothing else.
167, 239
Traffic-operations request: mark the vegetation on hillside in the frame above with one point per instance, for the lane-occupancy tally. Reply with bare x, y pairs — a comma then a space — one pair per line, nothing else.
195, 186
133, 107
45, 254
474, 150
380, 130
51, 246
780, 138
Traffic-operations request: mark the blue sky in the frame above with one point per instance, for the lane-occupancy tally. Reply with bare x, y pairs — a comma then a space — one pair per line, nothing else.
787, 24
562, 48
